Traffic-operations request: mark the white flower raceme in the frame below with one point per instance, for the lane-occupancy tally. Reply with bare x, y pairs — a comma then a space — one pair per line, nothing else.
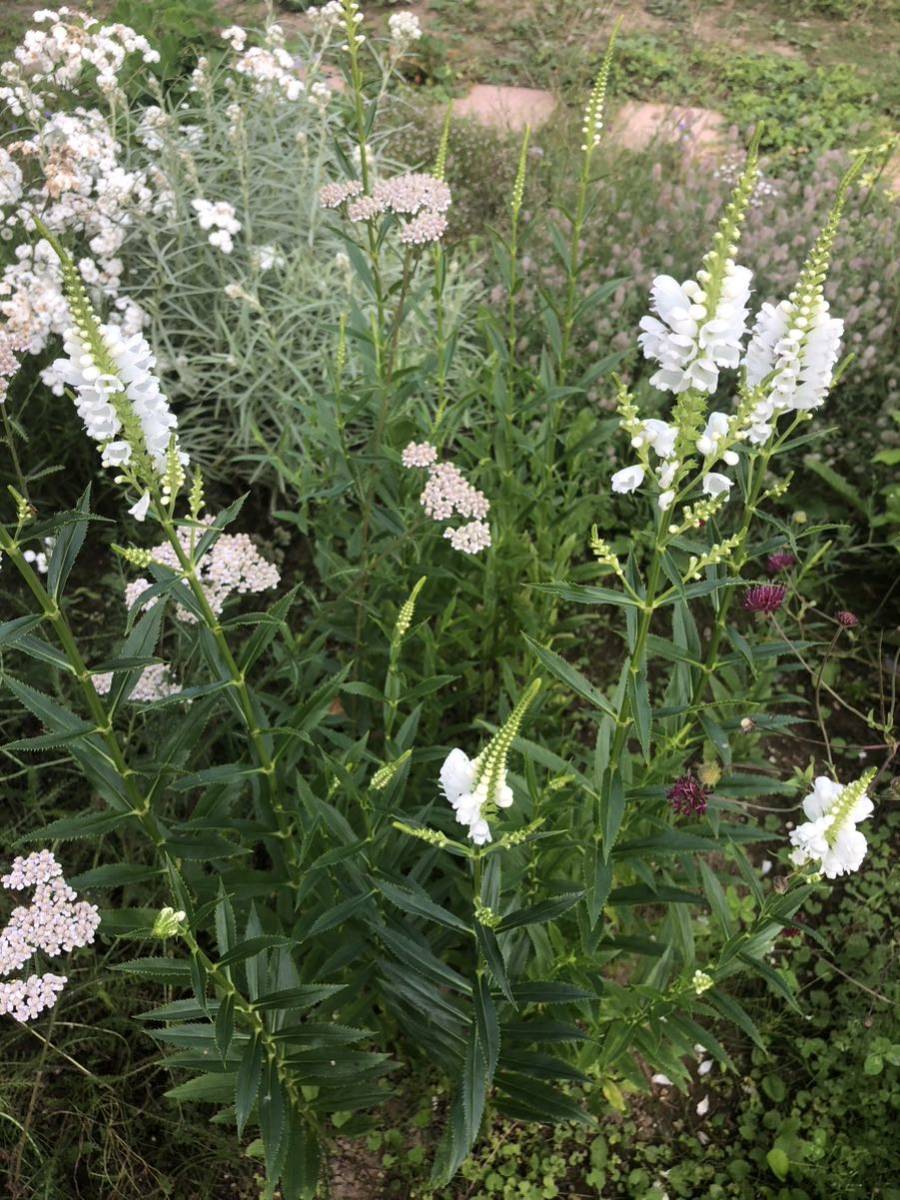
829, 837
796, 347
101, 395
477, 787
695, 334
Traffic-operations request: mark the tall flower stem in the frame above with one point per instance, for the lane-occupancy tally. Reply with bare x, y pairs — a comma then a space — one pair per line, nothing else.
141, 810
258, 739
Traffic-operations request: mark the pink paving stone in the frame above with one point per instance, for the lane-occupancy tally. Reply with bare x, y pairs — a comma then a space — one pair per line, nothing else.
703, 132
506, 107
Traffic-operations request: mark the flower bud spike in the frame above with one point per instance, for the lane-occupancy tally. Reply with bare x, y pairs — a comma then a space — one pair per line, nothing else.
518, 193
440, 163
592, 126
407, 611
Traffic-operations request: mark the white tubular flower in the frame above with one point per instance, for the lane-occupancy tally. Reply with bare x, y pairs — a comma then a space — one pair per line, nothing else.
477, 787
659, 435
117, 395
829, 836
798, 346
695, 334
715, 432
715, 484
627, 480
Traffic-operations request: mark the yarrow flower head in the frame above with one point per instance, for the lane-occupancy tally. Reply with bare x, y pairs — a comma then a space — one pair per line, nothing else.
688, 796
54, 923
829, 838
477, 788
765, 598
231, 565
781, 560
447, 494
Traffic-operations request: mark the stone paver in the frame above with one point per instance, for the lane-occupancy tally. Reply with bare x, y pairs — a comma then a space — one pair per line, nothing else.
510, 108
703, 132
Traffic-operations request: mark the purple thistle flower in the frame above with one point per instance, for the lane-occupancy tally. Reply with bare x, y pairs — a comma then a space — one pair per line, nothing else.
781, 560
688, 796
846, 618
765, 598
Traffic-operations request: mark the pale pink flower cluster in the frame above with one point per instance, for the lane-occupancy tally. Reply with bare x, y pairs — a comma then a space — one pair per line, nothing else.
471, 538
325, 17
333, 195
447, 494
74, 168
232, 565
55, 922
11, 346
220, 219
419, 454
404, 28
422, 198
80, 188
155, 682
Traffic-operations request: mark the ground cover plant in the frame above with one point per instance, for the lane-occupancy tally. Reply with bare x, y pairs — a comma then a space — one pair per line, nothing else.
418, 696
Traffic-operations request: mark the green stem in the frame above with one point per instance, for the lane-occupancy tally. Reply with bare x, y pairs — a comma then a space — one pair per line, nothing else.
265, 761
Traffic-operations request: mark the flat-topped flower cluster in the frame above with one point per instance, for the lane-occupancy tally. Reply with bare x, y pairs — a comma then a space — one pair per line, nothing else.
419, 199
448, 493
56, 922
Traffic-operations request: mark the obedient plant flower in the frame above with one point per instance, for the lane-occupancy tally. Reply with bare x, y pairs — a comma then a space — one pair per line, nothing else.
477, 788
701, 982
117, 396
795, 344
592, 126
56, 922
629, 479
765, 598
829, 837
699, 324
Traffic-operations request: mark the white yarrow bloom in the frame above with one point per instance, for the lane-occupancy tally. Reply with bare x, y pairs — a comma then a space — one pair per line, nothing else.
830, 836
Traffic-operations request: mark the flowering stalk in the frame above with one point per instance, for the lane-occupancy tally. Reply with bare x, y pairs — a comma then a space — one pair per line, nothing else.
141, 809
591, 131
